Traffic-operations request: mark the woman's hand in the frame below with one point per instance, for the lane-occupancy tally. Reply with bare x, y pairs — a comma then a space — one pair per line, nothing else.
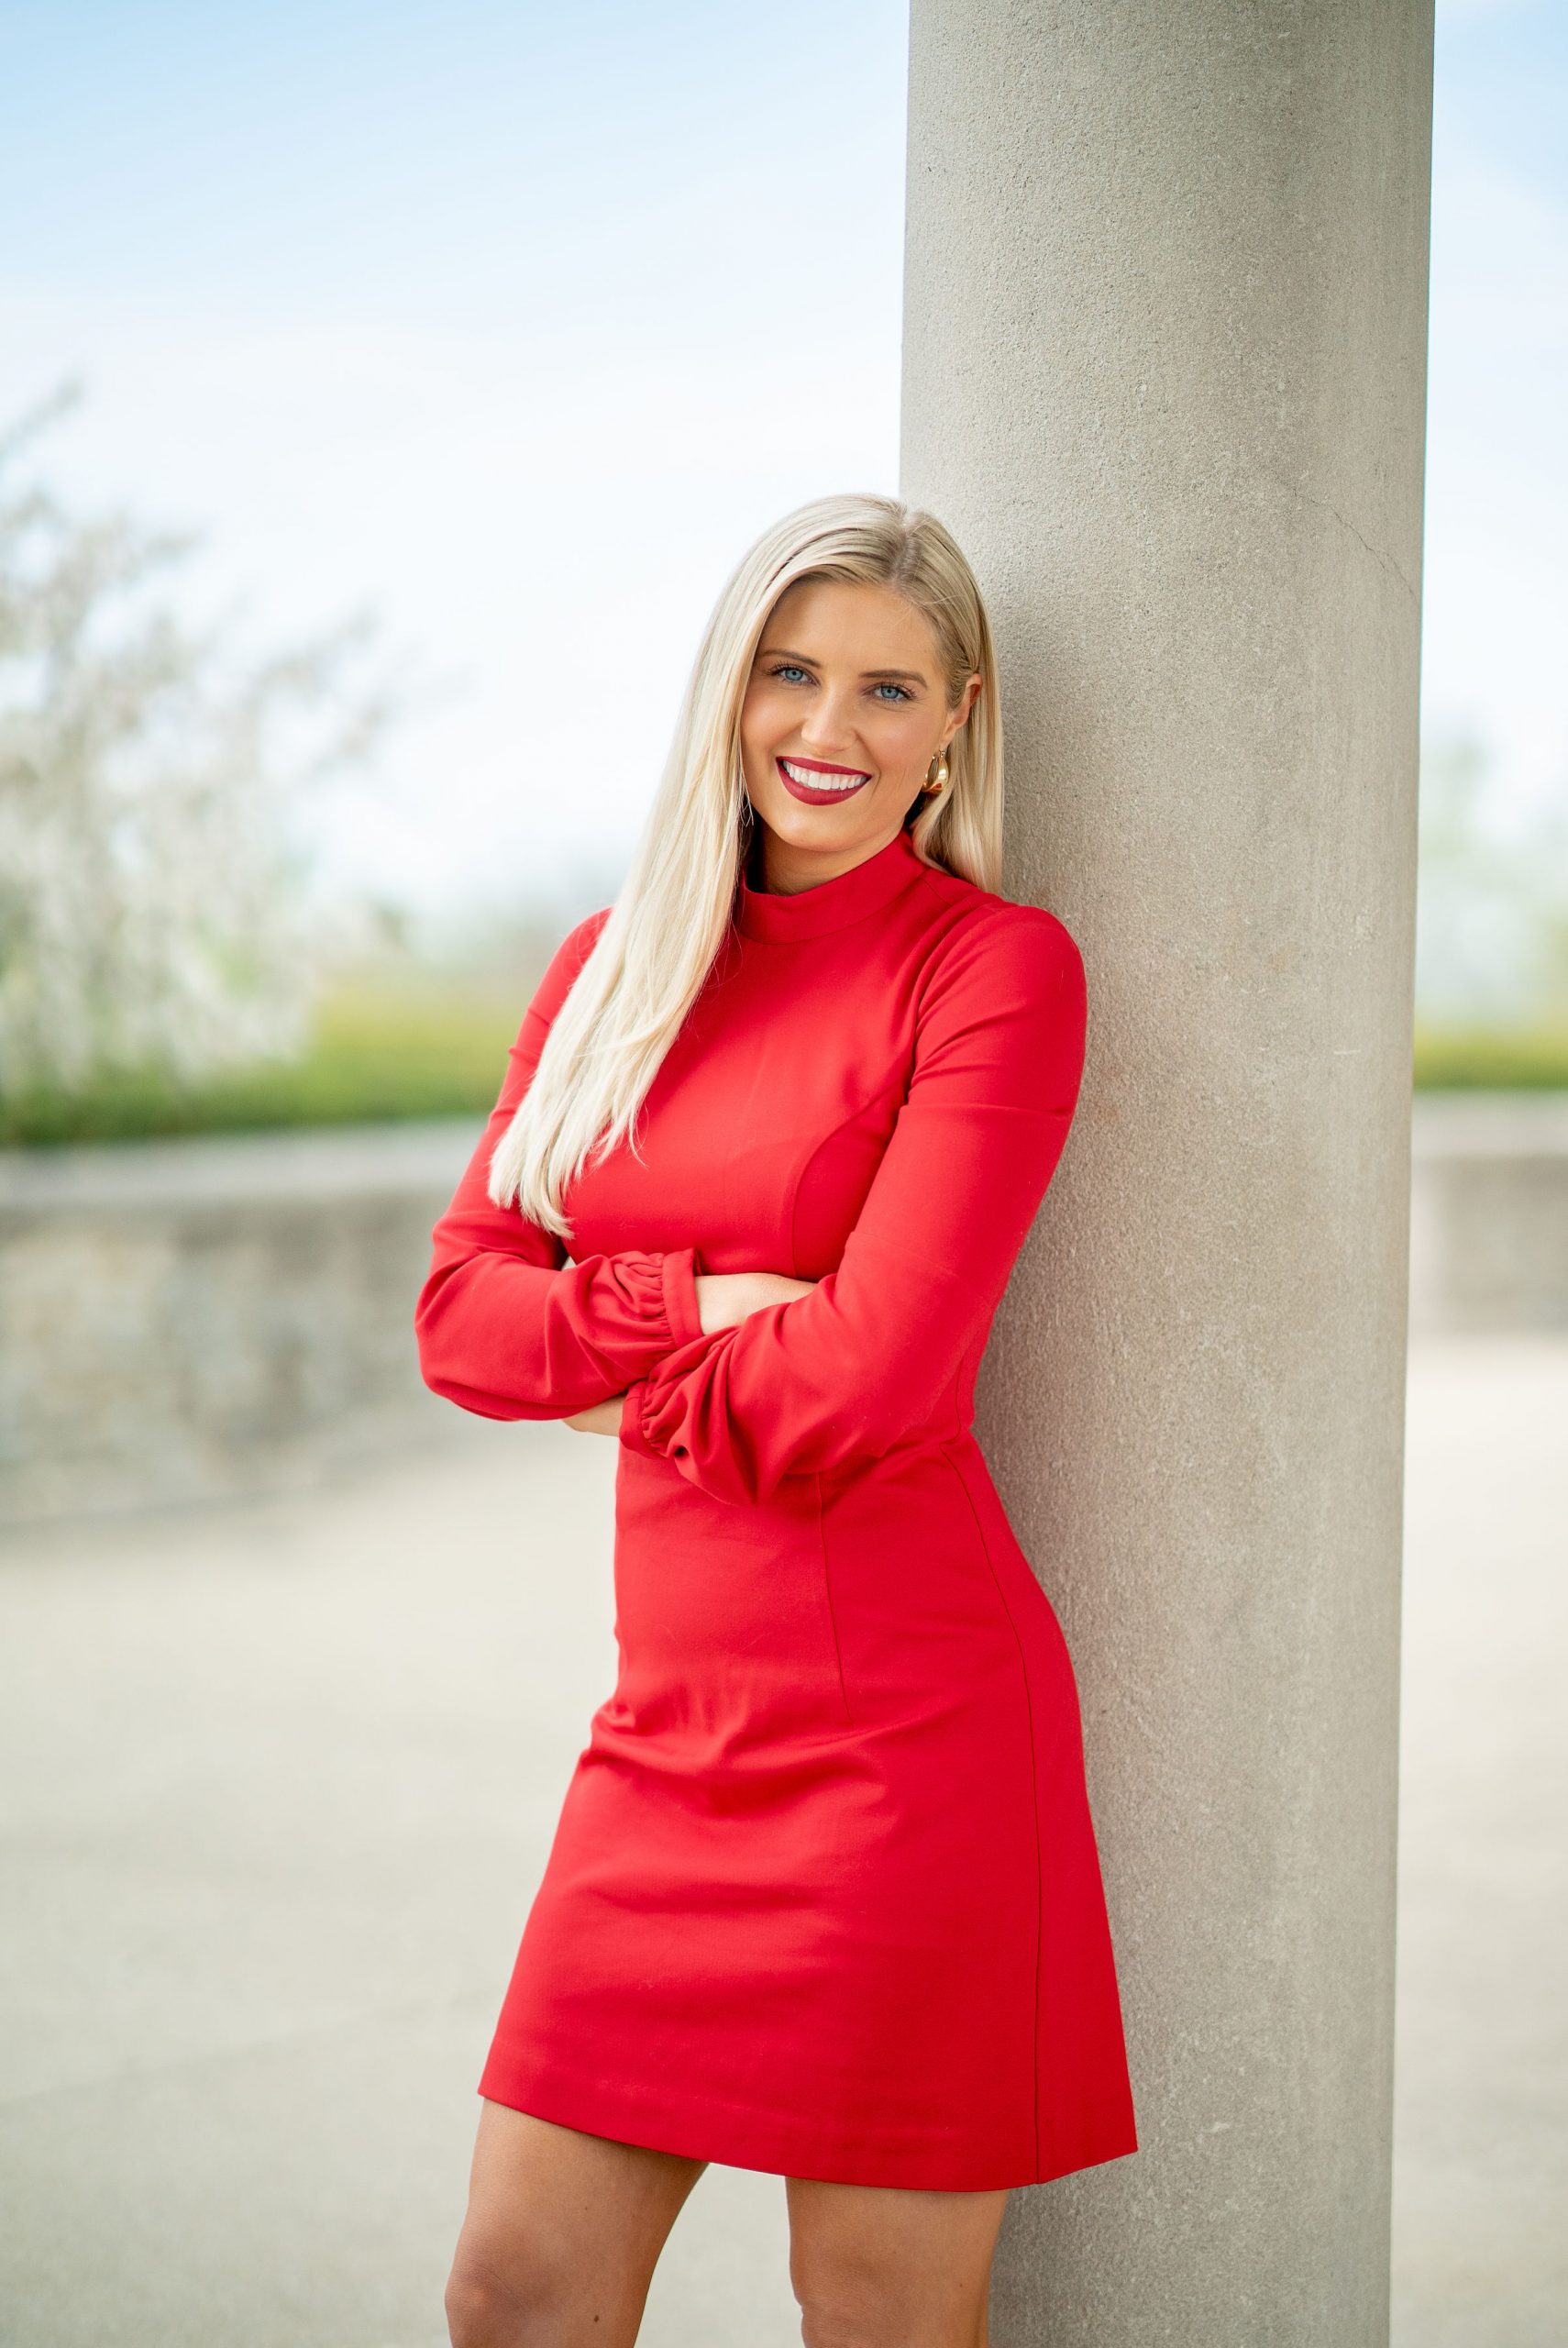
600, 1418
723, 1300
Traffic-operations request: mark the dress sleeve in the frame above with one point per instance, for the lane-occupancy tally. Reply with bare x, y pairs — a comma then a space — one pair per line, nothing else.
872, 1355
507, 1326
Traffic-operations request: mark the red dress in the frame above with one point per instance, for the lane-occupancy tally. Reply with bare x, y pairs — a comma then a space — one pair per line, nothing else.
823, 1898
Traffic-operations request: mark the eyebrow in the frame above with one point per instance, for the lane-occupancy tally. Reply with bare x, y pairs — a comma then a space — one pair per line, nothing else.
782, 652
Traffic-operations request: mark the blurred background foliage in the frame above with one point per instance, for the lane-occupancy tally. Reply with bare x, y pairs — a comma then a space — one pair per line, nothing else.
1491, 930
167, 965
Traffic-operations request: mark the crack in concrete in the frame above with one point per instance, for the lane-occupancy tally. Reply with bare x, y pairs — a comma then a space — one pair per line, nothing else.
1377, 553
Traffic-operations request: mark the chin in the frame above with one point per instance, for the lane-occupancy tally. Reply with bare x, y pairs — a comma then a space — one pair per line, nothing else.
821, 827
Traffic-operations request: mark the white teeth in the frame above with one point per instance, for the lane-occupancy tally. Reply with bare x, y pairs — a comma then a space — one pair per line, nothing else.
814, 781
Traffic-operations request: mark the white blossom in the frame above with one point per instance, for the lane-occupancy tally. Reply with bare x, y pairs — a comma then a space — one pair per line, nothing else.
156, 909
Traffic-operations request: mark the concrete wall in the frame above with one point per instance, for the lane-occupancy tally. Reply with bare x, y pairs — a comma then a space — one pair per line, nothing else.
187, 1318
1489, 1212
1165, 378
183, 1319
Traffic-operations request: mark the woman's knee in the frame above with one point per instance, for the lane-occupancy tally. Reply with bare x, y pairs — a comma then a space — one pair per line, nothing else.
876, 2270
524, 2303
862, 2305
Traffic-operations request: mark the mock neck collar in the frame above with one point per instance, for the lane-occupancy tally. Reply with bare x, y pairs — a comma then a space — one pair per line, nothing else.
829, 904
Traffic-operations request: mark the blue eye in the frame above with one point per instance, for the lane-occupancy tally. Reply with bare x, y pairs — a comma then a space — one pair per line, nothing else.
793, 669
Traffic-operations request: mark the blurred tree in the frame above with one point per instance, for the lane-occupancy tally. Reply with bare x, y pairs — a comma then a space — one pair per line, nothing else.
1491, 905
155, 902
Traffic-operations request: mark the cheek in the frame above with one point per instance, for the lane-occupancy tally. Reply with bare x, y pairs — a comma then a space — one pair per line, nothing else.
764, 721
899, 733
754, 716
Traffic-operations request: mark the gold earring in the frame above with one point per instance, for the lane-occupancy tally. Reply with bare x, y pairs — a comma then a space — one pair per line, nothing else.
936, 773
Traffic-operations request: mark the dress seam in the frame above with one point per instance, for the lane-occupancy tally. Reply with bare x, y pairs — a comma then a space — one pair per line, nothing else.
886, 1090
963, 1484
827, 1593
799, 1174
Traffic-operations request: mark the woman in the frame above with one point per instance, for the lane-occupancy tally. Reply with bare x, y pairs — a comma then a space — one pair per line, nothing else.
825, 1897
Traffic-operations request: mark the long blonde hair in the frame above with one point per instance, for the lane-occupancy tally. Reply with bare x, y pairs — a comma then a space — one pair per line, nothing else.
628, 1001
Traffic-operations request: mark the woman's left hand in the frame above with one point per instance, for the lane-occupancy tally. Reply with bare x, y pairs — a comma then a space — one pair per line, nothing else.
600, 1418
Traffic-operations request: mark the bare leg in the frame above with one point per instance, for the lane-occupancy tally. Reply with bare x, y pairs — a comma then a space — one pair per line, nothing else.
877, 2266
562, 2234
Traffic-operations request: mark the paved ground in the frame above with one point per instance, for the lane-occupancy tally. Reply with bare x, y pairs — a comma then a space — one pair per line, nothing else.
280, 1778
1481, 2170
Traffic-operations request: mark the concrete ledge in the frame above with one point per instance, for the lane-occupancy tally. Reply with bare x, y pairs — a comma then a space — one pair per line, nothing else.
306, 1162
1489, 1212
221, 1315
232, 1313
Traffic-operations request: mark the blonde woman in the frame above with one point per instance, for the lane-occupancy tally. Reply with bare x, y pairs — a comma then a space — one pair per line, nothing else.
823, 1899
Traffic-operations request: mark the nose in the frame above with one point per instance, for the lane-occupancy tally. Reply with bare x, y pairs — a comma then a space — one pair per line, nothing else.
827, 729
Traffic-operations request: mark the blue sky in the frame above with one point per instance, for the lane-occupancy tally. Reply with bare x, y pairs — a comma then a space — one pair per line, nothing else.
1496, 611
476, 316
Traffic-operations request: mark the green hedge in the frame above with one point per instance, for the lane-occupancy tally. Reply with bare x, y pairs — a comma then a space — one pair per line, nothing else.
376, 1052
437, 1051
1488, 1059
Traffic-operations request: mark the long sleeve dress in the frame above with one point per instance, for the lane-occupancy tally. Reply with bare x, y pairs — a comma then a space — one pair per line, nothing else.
824, 1897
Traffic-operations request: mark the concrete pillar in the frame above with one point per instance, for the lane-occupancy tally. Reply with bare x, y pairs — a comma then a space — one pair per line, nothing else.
1164, 377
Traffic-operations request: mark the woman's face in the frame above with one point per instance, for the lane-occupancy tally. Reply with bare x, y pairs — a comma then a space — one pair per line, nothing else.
845, 710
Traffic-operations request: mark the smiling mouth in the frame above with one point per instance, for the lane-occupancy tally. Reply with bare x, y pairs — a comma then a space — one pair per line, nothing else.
814, 779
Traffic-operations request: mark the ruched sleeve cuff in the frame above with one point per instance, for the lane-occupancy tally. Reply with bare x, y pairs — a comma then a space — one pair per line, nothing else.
653, 1415
641, 1301
677, 1284
678, 1280
632, 1433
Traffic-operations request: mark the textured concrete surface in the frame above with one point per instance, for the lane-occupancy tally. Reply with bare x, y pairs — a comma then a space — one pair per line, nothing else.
1489, 1212
1481, 2072
216, 1315
278, 1781
1163, 376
